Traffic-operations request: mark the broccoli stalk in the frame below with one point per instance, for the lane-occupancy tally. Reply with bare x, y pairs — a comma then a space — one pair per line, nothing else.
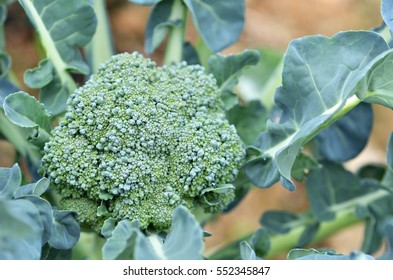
138, 140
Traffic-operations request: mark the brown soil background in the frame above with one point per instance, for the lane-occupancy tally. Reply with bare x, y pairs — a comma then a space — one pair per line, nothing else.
268, 24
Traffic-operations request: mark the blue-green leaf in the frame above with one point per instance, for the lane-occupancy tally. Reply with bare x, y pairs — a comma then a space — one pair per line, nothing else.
219, 23
145, 2
63, 26
65, 230
331, 185
312, 254
279, 221
158, 25
260, 242
25, 111
246, 252
227, 70
387, 13
10, 179
5, 64
185, 239
37, 188
249, 120
21, 230
40, 76
348, 136
320, 77
121, 244
108, 227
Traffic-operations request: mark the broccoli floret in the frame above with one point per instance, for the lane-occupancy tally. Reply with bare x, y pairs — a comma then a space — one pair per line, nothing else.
142, 140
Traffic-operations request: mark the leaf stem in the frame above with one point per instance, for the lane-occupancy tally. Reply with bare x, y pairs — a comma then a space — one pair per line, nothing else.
282, 243
174, 47
49, 46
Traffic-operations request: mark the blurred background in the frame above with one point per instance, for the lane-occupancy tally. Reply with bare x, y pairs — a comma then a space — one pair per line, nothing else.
270, 25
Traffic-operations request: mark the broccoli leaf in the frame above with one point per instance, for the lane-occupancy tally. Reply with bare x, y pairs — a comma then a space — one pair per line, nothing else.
184, 240
387, 13
246, 252
144, 2
26, 112
313, 254
65, 230
158, 25
348, 136
10, 179
227, 70
63, 26
219, 23
320, 78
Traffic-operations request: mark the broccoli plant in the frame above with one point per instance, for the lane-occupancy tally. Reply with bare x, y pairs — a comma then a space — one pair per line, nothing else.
124, 158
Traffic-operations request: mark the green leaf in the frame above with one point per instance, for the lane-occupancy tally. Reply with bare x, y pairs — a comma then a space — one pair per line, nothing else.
65, 230
5, 64
279, 221
40, 76
387, 13
331, 185
312, 254
348, 136
63, 26
37, 188
184, 240
320, 77
246, 252
219, 23
249, 120
25, 111
158, 25
21, 230
308, 235
260, 242
10, 179
302, 166
228, 69
121, 244
144, 2
221, 189
108, 227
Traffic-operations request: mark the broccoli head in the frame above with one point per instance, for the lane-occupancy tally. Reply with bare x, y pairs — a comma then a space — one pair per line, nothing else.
138, 140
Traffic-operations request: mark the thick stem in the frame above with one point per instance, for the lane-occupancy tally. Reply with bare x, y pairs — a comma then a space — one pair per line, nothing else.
174, 47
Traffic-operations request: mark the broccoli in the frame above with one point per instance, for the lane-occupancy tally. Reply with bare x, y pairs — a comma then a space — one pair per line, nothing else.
138, 140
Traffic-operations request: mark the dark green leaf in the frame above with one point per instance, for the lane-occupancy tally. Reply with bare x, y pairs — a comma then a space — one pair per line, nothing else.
260, 242
65, 231
228, 69
249, 120
190, 55
308, 235
279, 221
330, 185
158, 25
348, 136
219, 23
40, 76
372, 171
323, 74
5, 64
302, 166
